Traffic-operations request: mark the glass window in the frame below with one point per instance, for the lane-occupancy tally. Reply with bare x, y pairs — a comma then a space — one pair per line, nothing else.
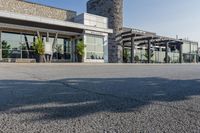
186, 48
17, 45
11, 45
11, 39
194, 48
94, 47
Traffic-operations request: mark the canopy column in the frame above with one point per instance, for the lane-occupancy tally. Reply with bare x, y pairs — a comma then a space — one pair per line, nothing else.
149, 51
53, 46
73, 45
181, 53
47, 39
166, 52
48, 57
123, 52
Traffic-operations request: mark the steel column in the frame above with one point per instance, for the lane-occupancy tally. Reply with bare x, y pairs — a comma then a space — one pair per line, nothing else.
166, 52
181, 53
149, 51
47, 39
73, 46
53, 46
47, 56
122, 52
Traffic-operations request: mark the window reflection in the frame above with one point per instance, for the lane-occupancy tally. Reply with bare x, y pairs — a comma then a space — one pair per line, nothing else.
94, 47
16, 45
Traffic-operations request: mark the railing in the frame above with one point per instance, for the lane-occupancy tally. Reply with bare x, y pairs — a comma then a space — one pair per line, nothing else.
17, 55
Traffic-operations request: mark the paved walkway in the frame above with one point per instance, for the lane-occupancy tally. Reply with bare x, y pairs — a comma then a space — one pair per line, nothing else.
102, 98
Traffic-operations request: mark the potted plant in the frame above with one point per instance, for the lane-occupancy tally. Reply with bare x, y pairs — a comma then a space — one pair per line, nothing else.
80, 51
151, 55
39, 49
137, 59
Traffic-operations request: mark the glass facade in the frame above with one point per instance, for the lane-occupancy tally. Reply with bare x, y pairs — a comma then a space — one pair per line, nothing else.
62, 50
190, 51
94, 47
157, 55
16, 45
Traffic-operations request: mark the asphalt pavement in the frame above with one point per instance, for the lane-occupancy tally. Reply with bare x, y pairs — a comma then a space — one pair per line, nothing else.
99, 98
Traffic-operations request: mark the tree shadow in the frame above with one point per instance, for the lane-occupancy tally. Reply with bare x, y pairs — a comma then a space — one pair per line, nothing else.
72, 98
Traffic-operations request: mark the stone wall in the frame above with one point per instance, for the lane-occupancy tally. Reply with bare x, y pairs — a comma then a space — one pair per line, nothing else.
113, 10
22, 7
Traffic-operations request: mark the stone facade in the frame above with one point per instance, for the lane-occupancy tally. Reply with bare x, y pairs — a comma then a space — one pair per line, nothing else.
113, 10
22, 7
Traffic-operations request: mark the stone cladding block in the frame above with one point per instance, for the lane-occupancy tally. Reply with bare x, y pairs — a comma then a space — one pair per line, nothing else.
23, 7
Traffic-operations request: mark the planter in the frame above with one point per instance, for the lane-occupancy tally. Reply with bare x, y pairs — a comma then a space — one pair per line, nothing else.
125, 60
39, 58
80, 58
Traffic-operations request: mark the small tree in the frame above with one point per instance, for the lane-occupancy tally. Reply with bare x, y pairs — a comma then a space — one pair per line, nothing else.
136, 58
125, 56
80, 51
151, 54
39, 49
5, 49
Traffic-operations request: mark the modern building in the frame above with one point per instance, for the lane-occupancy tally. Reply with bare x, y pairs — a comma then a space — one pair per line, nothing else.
101, 29
21, 22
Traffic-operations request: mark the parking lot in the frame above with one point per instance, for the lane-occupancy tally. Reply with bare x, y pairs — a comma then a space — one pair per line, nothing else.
99, 98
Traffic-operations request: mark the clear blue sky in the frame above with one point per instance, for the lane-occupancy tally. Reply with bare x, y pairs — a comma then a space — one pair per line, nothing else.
165, 17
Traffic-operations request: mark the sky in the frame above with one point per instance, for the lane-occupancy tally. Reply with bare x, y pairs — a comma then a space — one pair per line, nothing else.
165, 17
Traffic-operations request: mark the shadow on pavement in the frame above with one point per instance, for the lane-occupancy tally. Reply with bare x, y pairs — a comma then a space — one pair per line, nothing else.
72, 98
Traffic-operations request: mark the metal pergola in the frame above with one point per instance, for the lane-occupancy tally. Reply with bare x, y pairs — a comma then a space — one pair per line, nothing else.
133, 38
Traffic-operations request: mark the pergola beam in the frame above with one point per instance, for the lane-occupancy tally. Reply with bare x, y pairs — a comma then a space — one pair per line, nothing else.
138, 37
131, 39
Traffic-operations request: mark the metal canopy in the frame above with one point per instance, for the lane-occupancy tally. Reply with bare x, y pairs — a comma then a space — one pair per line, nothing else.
27, 29
132, 38
141, 38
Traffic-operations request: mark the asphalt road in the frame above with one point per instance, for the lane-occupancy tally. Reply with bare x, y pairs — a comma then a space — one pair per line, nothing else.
99, 98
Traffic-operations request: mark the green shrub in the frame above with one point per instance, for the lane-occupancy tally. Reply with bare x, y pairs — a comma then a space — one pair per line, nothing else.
80, 50
6, 49
39, 46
